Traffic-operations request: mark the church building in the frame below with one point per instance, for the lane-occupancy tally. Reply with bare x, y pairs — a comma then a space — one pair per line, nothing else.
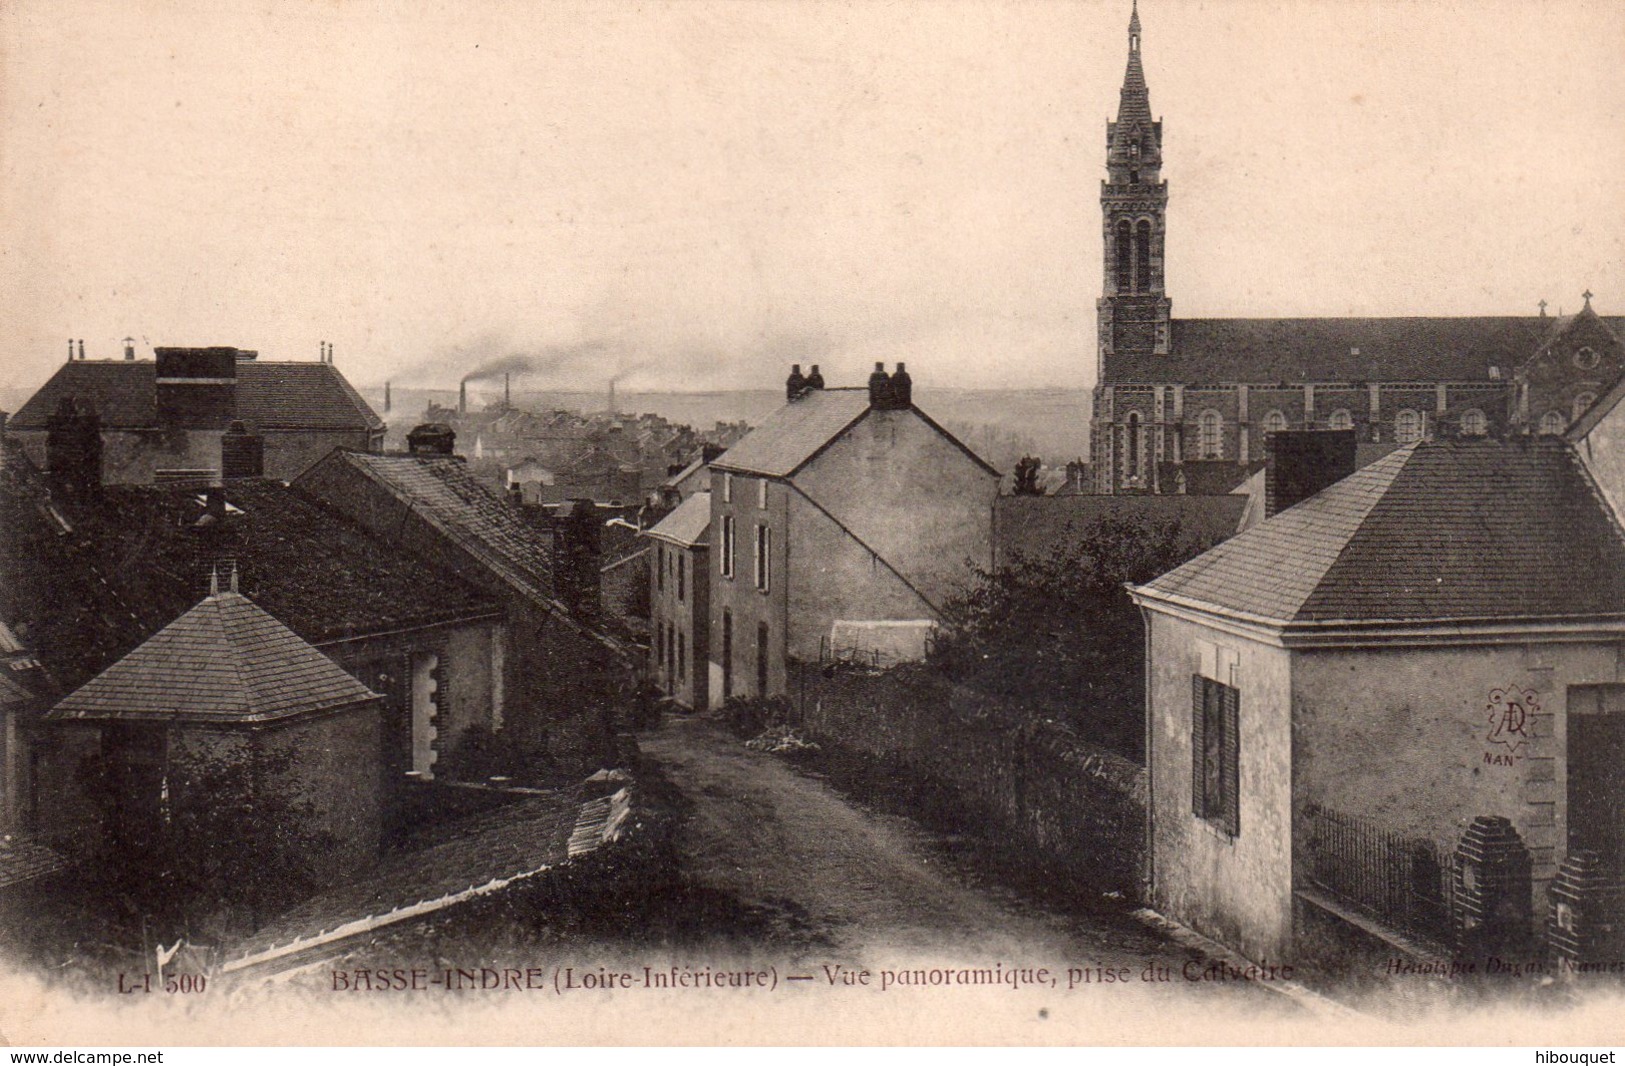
1184, 405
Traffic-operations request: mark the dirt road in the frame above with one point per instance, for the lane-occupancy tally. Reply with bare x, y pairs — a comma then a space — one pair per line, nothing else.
800, 868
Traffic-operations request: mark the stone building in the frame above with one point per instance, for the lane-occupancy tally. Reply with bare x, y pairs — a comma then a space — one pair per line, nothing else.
224, 684
164, 418
1344, 697
847, 507
558, 671
87, 576
680, 601
1183, 405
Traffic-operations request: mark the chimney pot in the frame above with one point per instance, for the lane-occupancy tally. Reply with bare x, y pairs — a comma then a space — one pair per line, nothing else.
794, 384
902, 388
815, 380
81, 349
880, 390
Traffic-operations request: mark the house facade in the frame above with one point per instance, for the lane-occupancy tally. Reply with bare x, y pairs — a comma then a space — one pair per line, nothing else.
848, 505
223, 690
165, 418
1181, 403
1346, 700
680, 602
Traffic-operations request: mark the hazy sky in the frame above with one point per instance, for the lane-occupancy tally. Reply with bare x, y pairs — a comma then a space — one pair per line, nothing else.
699, 193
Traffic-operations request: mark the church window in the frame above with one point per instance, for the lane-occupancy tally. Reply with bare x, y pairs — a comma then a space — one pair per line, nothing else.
1407, 427
1210, 436
1473, 423
1274, 422
1340, 419
1142, 257
1582, 404
1552, 423
1125, 253
1132, 452
1586, 358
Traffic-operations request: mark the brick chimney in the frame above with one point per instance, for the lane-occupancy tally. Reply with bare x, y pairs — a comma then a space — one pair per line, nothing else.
902, 389
880, 391
577, 556
242, 454
1301, 463
196, 387
73, 448
431, 438
794, 384
815, 380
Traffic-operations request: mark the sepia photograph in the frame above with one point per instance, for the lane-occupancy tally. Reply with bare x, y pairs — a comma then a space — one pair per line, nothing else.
812, 522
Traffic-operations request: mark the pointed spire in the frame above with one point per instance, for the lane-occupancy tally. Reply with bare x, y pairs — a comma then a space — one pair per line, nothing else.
234, 575
214, 579
1134, 106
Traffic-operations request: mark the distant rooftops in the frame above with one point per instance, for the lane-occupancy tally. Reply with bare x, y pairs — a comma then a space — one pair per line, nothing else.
687, 526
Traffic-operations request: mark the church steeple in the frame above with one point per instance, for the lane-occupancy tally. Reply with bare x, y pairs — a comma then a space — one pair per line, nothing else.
1134, 310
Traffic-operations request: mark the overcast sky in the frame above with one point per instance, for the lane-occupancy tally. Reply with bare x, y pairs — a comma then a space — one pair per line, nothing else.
697, 194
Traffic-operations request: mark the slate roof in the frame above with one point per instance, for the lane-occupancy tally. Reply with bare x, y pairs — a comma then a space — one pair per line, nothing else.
688, 525
794, 433
1297, 350
224, 661
1039, 526
440, 489
133, 558
269, 396
1460, 530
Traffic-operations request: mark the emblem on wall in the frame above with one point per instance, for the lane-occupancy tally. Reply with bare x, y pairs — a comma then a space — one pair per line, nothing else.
1510, 713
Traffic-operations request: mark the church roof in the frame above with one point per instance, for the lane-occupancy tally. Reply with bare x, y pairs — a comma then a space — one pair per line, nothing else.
1298, 350
269, 396
223, 661
1458, 530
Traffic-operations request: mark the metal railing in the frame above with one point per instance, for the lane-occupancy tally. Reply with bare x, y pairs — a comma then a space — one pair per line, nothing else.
1401, 881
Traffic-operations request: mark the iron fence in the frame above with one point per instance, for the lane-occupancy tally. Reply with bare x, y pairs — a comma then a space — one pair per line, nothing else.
1400, 881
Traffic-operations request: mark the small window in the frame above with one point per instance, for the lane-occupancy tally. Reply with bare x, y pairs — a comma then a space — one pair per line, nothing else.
1552, 423
1216, 753
761, 658
1582, 404
682, 577
1274, 422
660, 567
727, 488
1340, 419
1210, 441
682, 656
660, 644
1473, 423
763, 557
1407, 427
761, 494
1586, 358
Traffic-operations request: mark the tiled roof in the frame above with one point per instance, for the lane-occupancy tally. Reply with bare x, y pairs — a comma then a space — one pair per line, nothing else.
1437, 531
1296, 350
441, 490
225, 660
133, 558
795, 432
269, 396
1038, 526
689, 524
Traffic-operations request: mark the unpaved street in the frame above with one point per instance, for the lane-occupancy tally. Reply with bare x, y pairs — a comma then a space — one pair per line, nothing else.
823, 878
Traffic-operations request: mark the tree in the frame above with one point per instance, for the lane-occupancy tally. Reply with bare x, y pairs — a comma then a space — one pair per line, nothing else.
228, 839
1058, 635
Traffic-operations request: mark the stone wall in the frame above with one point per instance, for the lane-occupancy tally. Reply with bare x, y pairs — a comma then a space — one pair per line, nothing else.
1029, 780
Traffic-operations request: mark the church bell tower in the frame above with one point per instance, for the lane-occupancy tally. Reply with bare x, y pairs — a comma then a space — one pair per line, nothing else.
1134, 308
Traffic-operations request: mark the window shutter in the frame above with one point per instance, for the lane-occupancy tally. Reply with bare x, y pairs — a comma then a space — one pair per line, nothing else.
1198, 744
1232, 759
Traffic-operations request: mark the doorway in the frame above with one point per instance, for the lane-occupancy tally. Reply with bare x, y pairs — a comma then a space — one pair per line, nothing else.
1596, 765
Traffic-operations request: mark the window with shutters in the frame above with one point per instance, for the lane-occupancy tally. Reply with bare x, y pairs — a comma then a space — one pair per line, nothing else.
725, 559
764, 556
1216, 753
682, 577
